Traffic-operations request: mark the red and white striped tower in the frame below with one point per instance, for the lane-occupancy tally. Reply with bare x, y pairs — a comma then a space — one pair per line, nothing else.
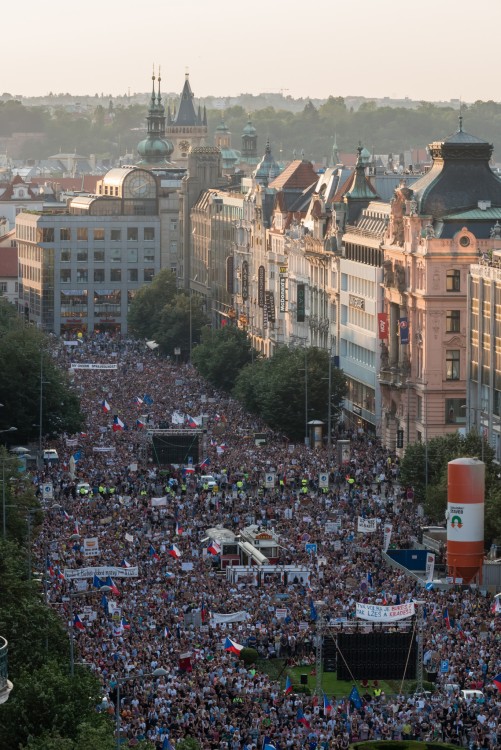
465, 518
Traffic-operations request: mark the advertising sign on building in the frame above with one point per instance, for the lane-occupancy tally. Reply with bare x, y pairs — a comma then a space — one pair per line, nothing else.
260, 286
245, 280
382, 324
270, 306
403, 325
283, 304
301, 297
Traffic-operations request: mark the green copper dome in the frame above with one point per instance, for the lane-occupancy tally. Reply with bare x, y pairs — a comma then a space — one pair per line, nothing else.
155, 150
249, 129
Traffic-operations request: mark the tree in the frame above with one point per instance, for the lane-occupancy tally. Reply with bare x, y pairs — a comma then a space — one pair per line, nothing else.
180, 319
279, 392
145, 312
22, 350
222, 354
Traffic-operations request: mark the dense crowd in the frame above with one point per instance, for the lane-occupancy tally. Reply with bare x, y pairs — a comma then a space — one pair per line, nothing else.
162, 618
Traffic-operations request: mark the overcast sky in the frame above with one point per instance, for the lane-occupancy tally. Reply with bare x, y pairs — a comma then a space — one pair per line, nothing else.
431, 49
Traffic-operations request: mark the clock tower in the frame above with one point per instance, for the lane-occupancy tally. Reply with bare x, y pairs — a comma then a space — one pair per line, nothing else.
186, 128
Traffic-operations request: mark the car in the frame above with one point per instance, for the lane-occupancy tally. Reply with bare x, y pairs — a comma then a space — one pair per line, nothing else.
472, 696
209, 480
452, 687
51, 456
84, 488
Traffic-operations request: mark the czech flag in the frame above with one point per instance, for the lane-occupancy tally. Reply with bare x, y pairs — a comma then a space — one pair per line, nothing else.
191, 421
166, 632
125, 624
153, 553
232, 646
205, 463
105, 406
138, 400
179, 529
78, 624
214, 548
497, 682
168, 574
288, 684
302, 718
327, 705
447, 619
124, 564
114, 588
60, 575
117, 424
174, 551
50, 567
140, 424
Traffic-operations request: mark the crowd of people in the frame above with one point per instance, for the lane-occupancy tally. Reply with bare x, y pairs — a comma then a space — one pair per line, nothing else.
165, 671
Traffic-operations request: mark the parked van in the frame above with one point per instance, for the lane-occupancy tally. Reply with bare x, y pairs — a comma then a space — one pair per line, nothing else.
472, 696
51, 456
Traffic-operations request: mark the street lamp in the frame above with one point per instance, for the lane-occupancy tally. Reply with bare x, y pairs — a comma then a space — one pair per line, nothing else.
73, 594
191, 323
158, 672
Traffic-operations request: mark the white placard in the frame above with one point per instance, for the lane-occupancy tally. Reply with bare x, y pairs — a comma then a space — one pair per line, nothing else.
93, 366
376, 613
91, 546
366, 525
323, 479
101, 572
269, 479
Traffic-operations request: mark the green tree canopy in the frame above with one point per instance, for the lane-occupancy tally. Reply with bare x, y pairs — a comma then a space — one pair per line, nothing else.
145, 312
222, 354
25, 357
284, 398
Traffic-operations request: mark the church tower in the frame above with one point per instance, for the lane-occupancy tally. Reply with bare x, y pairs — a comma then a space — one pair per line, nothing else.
155, 149
186, 127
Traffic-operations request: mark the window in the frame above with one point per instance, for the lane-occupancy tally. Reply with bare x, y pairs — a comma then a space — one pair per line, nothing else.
453, 280
82, 234
64, 275
82, 255
98, 235
148, 274
455, 411
149, 233
132, 255
82, 274
3, 287
453, 321
132, 234
65, 256
116, 274
115, 255
116, 235
452, 364
149, 256
132, 274
48, 234
98, 256
99, 274
65, 234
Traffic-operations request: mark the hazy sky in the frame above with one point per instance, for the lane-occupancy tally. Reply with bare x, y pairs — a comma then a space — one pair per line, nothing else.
429, 49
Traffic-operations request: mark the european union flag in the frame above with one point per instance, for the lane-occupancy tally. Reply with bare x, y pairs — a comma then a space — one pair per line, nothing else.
355, 698
313, 611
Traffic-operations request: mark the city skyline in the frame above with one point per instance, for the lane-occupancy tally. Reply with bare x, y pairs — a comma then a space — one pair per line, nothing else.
365, 49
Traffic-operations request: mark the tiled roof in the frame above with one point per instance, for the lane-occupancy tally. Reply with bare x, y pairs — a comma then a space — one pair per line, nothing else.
298, 175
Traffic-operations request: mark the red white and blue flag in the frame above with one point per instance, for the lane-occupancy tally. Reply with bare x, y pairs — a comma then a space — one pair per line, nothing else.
288, 684
174, 551
327, 705
153, 553
78, 624
105, 406
117, 424
214, 548
232, 646
497, 682
138, 400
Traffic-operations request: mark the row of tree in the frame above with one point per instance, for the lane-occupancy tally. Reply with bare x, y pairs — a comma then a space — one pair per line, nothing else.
31, 385
111, 133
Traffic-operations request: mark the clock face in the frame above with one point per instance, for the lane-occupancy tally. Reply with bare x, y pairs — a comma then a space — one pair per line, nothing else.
184, 146
139, 186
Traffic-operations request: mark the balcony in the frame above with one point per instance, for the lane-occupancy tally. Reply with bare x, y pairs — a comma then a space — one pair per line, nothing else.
5, 684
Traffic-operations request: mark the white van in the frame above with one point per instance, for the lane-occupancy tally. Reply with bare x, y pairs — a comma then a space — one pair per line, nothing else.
209, 480
51, 456
472, 696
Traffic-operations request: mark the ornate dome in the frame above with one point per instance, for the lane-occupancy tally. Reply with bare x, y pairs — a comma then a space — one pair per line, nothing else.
249, 129
155, 150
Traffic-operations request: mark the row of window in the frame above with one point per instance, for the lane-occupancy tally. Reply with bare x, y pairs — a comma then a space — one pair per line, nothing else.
113, 255
81, 275
48, 234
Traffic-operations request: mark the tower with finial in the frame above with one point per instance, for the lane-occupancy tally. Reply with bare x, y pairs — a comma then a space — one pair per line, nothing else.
155, 149
186, 127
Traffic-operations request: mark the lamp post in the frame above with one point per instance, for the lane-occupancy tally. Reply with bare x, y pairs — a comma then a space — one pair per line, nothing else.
74, 594
319, 648
306, 436
191, 316
158, 672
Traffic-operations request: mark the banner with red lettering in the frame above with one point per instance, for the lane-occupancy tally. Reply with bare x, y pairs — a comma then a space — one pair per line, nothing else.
382, 324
